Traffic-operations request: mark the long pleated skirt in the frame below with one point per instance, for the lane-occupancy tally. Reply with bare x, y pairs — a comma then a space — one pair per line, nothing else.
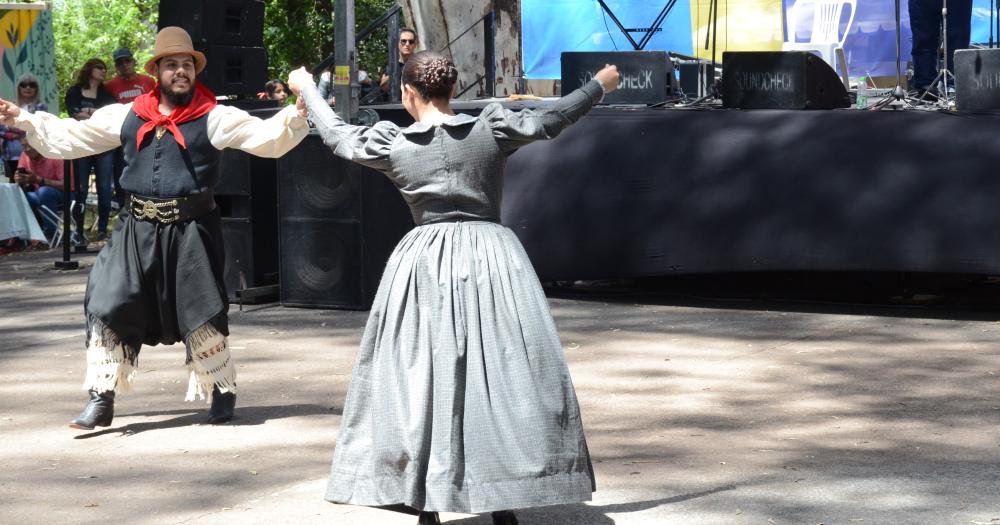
461, 400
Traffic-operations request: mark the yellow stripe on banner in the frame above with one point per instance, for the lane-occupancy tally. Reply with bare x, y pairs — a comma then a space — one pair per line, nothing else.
15, 26
743, 25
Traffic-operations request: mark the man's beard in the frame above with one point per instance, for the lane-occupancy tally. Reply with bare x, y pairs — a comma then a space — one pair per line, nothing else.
177, 99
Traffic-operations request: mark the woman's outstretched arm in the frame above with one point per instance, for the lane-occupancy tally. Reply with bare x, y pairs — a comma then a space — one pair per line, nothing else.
362, 144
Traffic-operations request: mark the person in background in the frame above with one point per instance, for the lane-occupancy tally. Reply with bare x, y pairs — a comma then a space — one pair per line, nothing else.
128, 84
85, 97
125, 87
29, 99
407, 45
325, 86
925, 22
42, 181
277, 91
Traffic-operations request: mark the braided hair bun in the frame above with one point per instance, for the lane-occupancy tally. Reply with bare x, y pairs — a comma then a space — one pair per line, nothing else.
432, 74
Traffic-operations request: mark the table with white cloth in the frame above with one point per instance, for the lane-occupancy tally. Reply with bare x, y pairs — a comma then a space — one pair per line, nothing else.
16, 217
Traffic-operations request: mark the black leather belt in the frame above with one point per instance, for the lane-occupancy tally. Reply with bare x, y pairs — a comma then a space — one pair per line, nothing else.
176, 209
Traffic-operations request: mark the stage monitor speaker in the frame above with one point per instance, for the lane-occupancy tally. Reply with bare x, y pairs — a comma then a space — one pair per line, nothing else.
338, 223
977, 79
246, 196
780, 80
216, 22
647, 77
233, 70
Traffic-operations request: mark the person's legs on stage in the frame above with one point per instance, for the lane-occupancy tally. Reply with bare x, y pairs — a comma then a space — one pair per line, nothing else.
959, 28
925, 19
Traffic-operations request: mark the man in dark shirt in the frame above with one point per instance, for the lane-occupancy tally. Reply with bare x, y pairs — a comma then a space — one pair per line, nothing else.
407, 46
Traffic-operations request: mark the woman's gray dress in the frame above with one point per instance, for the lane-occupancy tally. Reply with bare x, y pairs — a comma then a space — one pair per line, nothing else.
461, 400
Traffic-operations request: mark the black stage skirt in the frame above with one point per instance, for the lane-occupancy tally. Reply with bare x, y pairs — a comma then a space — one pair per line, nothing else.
156, 283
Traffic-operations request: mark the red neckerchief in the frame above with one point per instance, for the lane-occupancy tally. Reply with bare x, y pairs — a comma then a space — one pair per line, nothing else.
147, 106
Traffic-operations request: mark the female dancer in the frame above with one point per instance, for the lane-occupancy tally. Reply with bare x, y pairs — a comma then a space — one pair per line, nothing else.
461, 400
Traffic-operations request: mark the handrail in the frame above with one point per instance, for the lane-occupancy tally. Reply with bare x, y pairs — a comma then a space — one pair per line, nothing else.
391, 17
369, 29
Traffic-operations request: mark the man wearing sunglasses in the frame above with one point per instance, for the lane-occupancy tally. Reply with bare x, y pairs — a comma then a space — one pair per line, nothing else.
407, 46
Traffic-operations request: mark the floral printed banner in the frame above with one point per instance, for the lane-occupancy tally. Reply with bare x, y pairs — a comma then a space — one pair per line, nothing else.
27, 45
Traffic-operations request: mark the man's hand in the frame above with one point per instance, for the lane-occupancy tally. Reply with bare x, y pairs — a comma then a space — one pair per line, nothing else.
608, 77
298, 79
8, 112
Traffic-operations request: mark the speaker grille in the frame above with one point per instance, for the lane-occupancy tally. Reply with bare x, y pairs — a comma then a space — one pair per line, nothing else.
322, 187
321, 263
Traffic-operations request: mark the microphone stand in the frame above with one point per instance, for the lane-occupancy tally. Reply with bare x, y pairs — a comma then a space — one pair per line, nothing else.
897, 99
943, 99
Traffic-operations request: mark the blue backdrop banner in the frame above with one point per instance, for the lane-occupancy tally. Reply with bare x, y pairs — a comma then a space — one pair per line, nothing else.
550, 27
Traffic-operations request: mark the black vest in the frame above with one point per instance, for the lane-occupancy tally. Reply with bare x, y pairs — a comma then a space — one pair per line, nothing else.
162, 168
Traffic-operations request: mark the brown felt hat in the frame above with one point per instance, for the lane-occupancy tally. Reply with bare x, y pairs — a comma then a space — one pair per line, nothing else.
173, 40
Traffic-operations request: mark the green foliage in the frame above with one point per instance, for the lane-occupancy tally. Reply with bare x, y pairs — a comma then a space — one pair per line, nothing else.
87, 29
296, 33
300, 33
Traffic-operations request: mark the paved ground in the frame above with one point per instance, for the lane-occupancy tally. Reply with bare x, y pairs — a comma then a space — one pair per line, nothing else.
703, 413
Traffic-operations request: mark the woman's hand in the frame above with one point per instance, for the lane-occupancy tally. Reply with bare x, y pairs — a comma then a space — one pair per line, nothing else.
300, 105
298, 79
608, 77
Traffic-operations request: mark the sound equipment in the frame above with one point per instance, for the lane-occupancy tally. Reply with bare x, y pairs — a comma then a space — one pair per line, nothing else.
216, 22
689, 72
647, 77
338, 223
247, 201
232, 70
231, 34
977, 79
780, 80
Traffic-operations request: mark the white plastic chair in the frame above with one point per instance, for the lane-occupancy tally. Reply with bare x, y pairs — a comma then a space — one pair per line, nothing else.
826, 38
57, 218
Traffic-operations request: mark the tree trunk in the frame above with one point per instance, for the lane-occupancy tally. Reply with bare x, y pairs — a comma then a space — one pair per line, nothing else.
437, 25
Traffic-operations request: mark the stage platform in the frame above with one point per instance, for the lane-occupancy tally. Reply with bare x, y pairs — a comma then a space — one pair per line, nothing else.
634, 191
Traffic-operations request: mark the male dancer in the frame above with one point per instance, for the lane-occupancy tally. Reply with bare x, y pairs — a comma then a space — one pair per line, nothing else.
160, 278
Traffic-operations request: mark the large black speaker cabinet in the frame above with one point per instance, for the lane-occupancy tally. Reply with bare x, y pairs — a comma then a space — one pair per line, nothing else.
977, 79
780, 80
647, 77
233, 70
217, 22
338, 224
247, 199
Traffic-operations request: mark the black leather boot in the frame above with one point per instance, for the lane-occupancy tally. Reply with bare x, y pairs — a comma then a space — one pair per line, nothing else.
98, 412
222, 407
504, 517
428, 518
